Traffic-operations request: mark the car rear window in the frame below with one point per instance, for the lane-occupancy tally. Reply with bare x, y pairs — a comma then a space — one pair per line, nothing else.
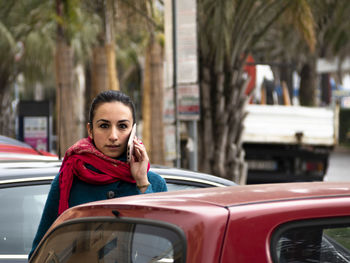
326, 240
21, 209
112, 240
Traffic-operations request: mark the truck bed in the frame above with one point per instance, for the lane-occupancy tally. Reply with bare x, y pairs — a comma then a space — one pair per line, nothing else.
290, 125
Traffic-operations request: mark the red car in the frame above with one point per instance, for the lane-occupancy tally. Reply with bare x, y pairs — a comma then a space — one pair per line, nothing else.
292, 222
12, 149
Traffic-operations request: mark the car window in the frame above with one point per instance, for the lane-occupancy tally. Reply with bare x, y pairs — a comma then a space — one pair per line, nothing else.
21, 209
313, 241
178, 187
112, 240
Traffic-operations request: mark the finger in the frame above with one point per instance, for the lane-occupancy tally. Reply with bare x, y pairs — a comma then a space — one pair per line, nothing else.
141, 152
140, 146
138, 152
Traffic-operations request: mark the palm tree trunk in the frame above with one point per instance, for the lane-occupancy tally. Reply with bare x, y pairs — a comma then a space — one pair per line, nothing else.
66, 98
326, 91
99, 75
286, 75
112, 78
206, 146
152, 103
222, 114
113, 83
8, 115
4, 102
307, 91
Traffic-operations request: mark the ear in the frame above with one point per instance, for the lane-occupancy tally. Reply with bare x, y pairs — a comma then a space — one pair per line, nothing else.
89, 130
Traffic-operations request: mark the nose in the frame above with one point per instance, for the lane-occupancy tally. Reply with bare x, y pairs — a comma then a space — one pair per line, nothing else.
113, 136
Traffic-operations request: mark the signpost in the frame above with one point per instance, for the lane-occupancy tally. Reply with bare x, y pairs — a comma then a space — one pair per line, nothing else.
182, 71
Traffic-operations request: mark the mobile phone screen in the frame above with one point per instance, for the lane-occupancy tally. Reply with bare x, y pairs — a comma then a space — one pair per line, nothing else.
130, 146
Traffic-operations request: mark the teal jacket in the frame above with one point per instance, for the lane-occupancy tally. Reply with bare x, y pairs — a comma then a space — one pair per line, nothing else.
82, 192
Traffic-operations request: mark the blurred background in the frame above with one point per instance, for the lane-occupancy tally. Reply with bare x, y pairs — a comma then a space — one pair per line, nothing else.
195, 70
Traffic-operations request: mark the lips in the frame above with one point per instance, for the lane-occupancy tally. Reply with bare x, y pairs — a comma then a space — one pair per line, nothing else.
113, 146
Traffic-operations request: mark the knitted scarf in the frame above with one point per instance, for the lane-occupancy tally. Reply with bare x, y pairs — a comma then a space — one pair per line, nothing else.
84, 152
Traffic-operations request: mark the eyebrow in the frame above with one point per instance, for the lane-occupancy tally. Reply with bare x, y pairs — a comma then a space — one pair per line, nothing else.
120, 121
102, 120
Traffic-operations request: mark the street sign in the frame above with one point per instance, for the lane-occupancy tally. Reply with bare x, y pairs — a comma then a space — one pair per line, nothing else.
188, 102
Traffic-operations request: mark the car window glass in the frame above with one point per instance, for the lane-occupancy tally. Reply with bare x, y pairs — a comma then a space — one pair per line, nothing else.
109, 242
21, 209
320, 243
178, 187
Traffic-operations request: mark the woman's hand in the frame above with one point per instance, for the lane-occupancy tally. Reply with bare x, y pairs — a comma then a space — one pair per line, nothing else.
139, 164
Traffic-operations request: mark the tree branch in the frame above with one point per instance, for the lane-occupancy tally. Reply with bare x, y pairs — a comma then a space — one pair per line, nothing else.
150, 20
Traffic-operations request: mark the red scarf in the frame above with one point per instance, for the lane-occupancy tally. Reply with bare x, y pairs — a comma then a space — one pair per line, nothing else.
84, 152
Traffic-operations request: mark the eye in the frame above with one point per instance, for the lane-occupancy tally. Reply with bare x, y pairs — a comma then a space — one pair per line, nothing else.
123, 126
104, 126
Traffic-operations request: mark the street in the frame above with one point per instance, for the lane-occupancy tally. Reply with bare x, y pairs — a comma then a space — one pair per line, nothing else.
339, 165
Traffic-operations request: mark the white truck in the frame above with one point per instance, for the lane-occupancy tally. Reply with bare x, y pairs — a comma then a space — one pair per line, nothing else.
288, 143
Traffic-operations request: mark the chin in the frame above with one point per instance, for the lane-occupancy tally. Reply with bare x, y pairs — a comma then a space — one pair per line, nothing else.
112, 155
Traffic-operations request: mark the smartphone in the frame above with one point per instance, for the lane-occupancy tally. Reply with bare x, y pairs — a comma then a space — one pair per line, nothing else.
130, 147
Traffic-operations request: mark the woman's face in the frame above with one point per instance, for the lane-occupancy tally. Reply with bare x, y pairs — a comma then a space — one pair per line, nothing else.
111, 126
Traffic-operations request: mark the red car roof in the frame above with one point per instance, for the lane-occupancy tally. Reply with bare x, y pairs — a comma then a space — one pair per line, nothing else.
237, 195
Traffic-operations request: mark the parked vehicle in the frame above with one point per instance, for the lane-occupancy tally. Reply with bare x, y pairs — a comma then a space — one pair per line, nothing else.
12, 149
292, 222
24, 186
288, 143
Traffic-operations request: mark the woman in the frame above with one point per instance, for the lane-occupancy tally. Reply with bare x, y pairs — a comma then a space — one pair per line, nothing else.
95, 168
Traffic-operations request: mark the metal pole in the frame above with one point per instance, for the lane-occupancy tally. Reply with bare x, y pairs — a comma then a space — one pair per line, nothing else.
177, 124
193, 145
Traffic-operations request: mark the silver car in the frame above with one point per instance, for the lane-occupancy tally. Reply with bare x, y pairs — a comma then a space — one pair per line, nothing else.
24, 186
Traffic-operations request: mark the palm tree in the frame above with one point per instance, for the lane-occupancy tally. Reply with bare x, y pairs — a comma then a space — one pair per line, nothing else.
333, 37
7, 62
104, 74
281, 46
141, 23
152, 104
25, 48
288, 41
30, 27
228, 32
76, 32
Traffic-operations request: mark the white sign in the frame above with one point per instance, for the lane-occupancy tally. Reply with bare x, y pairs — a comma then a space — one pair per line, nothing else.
35, 132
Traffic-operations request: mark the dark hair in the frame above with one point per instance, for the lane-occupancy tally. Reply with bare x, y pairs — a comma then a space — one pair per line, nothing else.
111, 96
